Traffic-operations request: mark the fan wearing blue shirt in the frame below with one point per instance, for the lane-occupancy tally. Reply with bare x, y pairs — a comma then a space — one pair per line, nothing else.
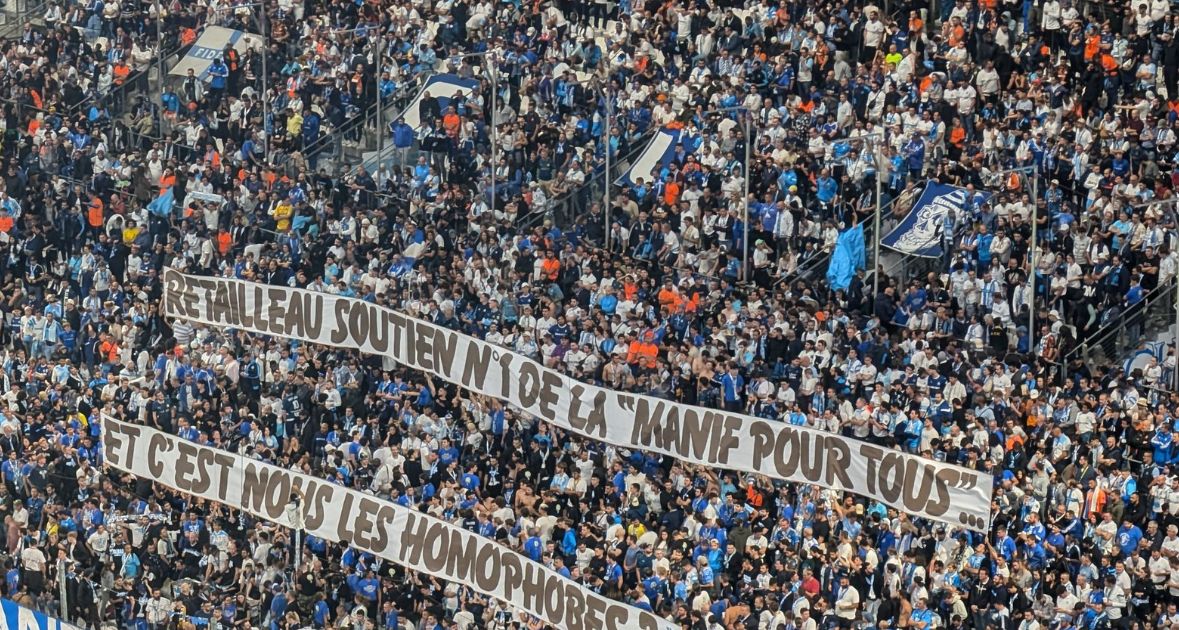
1129, 535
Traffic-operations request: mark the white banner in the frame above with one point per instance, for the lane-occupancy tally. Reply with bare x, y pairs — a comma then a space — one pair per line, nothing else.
385, 529
912, 484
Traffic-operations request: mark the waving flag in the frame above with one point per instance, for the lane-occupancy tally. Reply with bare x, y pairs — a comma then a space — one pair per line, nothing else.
847, 258
162, 206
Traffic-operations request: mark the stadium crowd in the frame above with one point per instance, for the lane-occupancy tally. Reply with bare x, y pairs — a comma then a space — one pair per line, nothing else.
1085, 530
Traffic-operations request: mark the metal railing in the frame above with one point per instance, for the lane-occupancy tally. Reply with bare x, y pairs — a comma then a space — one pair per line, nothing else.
816, 265
564, 210
1115, 339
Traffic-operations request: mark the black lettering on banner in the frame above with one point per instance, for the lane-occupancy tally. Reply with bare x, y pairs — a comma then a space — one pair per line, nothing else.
787, 451
411, 346
593, 423
358, 324
512, 575
207, 288
225, 464
413, 540
385, 517
222, 310
916, 493
381, 331
380, 517
363, 522
487, 567
313, 315
554, 600
534, 587
595, 607
278, 494
811, 450
445, 344
616, 617
647, 621
276, 314
506, 376
728, 440
716, 424
245, 313
549, 386
763, 442
294, 317
191, 301
399, 324
871, 455
158, 443
173, 286
647, 430
112, 441
314, 499
838, 460
528, 387
942, 481
475, 367
343, 526
233, 304
340, 329
460, 562
185, 464
575, 608
258, 295
891, 477
437, 548
254, 484
424, 343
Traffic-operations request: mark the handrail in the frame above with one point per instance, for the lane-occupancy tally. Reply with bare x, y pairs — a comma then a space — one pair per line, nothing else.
808, 266
1115, 327
559, 207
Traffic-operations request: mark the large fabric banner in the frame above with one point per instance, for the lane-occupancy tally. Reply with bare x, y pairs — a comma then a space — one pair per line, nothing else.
13, 616
660, 151
443, 87
385, 529
211, 45
921, 487
921, 232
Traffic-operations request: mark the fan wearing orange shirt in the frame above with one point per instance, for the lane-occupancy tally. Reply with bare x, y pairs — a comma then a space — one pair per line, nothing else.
451, 122
669, 298
550, 268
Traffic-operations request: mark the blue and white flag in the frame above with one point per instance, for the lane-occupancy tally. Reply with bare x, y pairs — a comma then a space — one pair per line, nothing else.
660, 151
13, 616
847, 258
920, 233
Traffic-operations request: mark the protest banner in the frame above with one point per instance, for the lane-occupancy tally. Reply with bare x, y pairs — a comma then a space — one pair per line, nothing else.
385, 529
918, 486
13, 616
